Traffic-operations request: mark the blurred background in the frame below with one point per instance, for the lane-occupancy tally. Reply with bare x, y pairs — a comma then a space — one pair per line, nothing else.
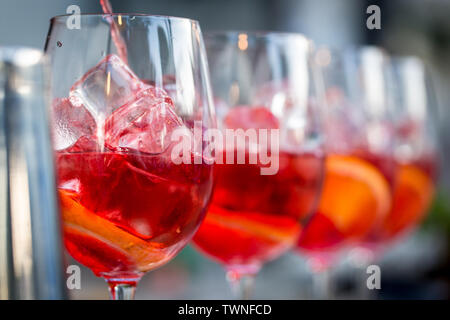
411, 27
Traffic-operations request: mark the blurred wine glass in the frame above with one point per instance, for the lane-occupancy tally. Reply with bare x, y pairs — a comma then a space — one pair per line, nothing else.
415, 149
261, 81
359, 169
416, 161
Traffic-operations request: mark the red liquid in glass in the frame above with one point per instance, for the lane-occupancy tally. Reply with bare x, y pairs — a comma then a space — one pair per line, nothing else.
126, 213
410, 190
354, 201
412, 195
254, 218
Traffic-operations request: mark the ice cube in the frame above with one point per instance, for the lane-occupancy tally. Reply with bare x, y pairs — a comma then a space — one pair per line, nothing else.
106, 87
144, 124
71, 123
84, 144
169, 84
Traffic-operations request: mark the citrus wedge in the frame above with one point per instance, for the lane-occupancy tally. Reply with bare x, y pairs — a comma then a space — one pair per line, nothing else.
245, 238
266, 227
79, 220
412, 196
355, 196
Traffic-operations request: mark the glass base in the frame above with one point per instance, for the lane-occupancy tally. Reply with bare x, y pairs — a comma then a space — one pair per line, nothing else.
241, 280
122, 289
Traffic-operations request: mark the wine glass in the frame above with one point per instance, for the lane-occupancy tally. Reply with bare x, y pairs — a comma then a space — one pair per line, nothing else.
359, 169
415, 150
416, 161
264, 83
124, 87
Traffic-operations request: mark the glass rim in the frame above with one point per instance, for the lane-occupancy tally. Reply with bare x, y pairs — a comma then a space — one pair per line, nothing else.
354, 52
257, 34
353, 48
126, 15
399, 59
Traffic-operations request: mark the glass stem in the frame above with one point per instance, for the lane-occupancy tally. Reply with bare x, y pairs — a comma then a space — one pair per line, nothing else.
359, 278
241, 284
121, 291
360, 259
321, 285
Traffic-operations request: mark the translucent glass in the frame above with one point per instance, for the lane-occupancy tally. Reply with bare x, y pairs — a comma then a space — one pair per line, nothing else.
415, 150
262, 81
360, 168
122, 86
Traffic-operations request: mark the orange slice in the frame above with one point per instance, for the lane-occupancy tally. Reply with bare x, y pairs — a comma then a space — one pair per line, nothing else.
355, 195
412, 196
77, 218
277, 229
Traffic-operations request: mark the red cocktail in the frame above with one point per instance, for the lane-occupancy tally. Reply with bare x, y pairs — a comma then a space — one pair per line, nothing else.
412, 196
356, 197
127, 206
254, 218
125, 214
130, 197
